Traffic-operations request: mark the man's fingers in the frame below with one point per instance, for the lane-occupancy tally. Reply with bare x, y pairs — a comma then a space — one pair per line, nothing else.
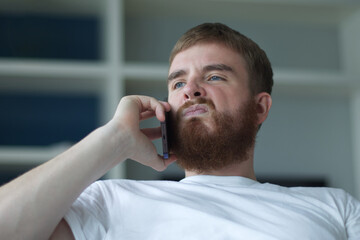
144, 106
147, 114
152, 133
131, 110
152, 104
172, 158
160, 111
163, 163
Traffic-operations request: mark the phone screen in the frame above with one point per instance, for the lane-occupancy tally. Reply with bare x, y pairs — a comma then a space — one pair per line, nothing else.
165, 136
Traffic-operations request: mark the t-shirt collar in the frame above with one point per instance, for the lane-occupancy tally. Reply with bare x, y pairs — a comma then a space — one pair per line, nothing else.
219, 180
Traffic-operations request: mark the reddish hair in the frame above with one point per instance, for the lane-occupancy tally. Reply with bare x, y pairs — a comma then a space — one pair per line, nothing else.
258, 65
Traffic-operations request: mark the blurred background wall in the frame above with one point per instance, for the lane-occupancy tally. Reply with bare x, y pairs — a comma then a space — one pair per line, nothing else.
65, 64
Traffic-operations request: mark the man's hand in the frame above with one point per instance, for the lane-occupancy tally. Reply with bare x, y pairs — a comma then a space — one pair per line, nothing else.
131, 110
33, 205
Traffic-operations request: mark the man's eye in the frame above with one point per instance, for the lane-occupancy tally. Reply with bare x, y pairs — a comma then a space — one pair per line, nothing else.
179, 85
215, 78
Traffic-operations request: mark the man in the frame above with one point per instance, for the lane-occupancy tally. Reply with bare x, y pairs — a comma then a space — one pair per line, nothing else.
219, 94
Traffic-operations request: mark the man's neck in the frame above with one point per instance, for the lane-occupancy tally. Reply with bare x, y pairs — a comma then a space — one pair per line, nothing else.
242, 169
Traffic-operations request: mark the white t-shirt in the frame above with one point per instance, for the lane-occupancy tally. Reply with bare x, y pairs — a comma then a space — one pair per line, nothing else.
212, 207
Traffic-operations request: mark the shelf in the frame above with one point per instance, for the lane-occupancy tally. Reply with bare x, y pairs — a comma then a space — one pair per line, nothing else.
146, 71
30, 155
282, 77
312, 77
295, 11
78, 7
319, 11
54, 76
49, 68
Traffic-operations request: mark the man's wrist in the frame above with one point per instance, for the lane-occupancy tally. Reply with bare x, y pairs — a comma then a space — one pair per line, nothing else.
116, 140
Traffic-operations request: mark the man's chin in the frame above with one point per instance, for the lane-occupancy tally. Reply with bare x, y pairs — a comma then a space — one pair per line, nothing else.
212, 143
199, 122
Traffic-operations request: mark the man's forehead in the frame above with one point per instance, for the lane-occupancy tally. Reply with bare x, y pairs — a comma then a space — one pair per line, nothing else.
206, 53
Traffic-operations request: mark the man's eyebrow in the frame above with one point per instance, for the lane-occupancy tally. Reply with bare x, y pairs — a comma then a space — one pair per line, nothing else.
218, 67
176, 74
208, 68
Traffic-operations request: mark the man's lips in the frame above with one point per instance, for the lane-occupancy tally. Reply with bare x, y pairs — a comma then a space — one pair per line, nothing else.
195, 110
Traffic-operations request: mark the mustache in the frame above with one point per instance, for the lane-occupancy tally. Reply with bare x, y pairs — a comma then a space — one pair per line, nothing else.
187, 104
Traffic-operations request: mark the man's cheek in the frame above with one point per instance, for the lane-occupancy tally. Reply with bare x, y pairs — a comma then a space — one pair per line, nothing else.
174, 105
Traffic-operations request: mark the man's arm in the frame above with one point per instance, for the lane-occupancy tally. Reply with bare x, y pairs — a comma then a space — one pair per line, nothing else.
34, 204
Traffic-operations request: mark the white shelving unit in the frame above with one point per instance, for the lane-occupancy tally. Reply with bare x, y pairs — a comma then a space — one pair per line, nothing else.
136, 35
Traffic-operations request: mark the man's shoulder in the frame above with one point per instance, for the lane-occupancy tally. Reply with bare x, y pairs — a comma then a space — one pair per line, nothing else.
129, 184
316, 191
322, 192
119, 182
326, 195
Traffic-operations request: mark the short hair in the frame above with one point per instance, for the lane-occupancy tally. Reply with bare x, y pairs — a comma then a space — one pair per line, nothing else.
258, 65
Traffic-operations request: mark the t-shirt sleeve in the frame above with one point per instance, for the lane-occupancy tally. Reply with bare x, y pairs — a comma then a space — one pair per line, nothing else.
352, 218
87, 216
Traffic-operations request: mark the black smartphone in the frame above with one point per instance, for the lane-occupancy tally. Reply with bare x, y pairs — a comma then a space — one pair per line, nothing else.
165, 136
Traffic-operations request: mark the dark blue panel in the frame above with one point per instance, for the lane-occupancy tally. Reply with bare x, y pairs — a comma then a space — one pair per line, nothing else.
28, 119
8, 172
52, 37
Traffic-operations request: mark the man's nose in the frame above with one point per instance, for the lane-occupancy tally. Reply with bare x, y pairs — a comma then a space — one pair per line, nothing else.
193, 90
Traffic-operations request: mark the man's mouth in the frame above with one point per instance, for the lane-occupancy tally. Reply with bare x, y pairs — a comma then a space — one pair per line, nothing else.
195, 110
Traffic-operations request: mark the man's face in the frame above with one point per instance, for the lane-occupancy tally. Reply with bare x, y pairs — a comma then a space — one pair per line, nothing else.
210, 71
214, 117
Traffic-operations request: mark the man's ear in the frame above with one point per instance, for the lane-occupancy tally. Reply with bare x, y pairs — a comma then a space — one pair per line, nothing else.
263, 103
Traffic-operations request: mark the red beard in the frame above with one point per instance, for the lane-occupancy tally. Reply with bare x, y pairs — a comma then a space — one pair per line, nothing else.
199, 148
